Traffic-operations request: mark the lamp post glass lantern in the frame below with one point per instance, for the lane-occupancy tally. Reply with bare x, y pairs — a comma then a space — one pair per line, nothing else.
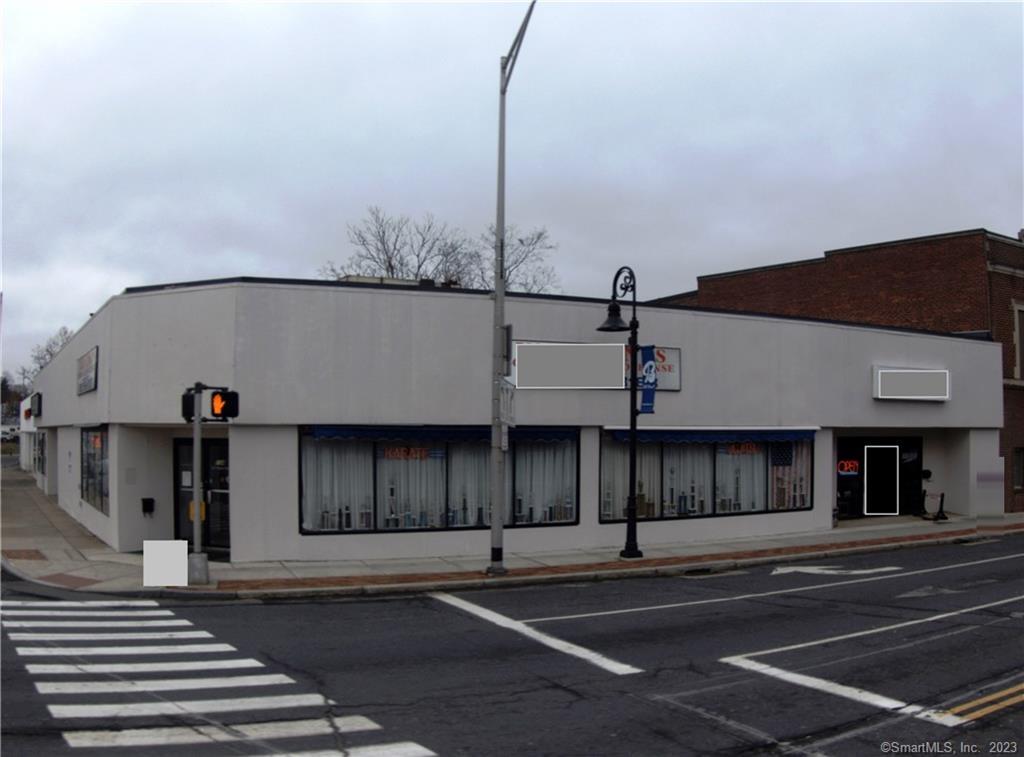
625, 283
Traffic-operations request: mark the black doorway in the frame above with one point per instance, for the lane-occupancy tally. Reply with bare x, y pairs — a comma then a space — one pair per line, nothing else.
891, 468
216, 490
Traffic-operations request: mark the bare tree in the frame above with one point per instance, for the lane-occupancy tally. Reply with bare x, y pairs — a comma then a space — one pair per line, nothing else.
399, 247
43, 353
396, 246
526, 266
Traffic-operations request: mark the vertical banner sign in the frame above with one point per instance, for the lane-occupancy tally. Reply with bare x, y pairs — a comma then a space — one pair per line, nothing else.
648, 379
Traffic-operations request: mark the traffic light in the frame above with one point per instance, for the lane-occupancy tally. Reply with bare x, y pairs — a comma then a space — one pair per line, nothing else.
223, 404
188, 403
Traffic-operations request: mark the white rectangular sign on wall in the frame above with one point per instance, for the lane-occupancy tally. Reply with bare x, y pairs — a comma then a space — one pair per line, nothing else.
927, 384
668, 364
551, 365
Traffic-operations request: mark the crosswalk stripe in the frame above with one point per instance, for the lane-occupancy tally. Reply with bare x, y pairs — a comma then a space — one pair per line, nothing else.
161, 684
181, 707
209, 733
98, 603
141, 667
87, 613
397, 749
95, 623
82, 651
109, 636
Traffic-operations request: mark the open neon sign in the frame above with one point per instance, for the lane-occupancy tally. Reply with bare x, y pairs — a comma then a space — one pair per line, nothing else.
848, 467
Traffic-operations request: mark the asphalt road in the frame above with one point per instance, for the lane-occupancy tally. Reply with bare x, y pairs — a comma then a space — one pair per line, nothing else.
902, 652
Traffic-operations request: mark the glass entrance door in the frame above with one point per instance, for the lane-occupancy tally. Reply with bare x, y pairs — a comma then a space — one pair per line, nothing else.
216, 491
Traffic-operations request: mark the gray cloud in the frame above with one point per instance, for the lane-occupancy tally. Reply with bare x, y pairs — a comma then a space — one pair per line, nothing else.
159, 142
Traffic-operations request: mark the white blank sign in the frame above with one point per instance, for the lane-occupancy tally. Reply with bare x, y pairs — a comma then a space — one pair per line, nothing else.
165, 562
911, 384
570, 366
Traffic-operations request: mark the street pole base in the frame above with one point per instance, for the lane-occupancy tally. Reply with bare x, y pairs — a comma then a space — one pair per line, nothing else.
497, 570
198, 569
631, 553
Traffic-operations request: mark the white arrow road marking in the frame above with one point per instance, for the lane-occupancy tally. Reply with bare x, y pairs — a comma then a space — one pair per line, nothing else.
594, 658
831, 570
205, 734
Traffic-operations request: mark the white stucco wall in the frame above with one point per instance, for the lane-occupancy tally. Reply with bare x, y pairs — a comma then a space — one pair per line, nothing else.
338, 355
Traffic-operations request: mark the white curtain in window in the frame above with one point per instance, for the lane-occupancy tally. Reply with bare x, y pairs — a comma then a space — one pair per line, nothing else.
469, 484
688, 479
615, 479
410, 486
789, 475
740, 477
337, 485
545, 482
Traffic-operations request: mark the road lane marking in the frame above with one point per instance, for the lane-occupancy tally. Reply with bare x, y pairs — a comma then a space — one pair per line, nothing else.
185, 707
849, 692
95, 623
109, 636
759, 736
88, 613
81, 651
206, 734
994, 707
981, 700
883, 629
594, 658
773, 593
141, 667
161, 684
398, 749
97, 603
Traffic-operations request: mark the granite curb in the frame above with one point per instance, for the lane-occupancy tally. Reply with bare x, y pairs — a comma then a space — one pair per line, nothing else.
697, 564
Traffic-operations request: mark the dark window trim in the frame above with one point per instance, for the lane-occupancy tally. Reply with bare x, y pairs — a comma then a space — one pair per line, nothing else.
519, 431
714, 478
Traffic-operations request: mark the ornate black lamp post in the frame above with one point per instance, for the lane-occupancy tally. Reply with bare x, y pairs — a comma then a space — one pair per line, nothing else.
624, 283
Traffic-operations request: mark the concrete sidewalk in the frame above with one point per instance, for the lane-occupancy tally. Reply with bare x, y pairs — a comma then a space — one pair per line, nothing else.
44, 545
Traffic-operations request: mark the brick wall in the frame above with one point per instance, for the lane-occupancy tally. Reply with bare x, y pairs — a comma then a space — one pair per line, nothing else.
936, 284
1005, 289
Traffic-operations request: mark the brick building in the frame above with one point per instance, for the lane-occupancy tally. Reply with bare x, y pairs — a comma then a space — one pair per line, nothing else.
964, 282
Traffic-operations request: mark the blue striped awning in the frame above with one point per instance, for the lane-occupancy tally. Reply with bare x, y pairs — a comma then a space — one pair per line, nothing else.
693, 436
438, 433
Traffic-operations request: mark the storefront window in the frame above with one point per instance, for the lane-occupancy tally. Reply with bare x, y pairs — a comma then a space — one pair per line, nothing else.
337, 485
94, 469
403, 479
615, 479
739, 477
545, 481
687, 474
39, 453
789, 475
688, 480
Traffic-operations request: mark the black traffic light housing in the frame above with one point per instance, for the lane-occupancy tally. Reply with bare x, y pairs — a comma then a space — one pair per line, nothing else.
223, 404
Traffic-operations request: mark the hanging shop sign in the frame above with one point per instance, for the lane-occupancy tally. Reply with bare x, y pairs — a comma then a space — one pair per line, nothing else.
648, 375
87, 370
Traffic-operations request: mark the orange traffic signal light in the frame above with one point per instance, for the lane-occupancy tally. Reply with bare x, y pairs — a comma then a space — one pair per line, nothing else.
224, 404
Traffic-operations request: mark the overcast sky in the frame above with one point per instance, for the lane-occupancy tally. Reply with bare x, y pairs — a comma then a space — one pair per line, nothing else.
146, 143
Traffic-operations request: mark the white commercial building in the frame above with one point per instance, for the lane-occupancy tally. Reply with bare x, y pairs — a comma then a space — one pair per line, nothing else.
365, 411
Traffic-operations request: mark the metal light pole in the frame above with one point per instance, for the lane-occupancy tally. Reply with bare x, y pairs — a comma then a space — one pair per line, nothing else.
614, 322
198, 566
497, 566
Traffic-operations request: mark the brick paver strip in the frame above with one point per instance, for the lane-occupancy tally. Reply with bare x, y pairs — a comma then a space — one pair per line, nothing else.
549, 570
23, 554
68, 580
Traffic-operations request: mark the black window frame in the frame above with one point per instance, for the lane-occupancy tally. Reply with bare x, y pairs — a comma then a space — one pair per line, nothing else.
103, 491
522, 434
606, 434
